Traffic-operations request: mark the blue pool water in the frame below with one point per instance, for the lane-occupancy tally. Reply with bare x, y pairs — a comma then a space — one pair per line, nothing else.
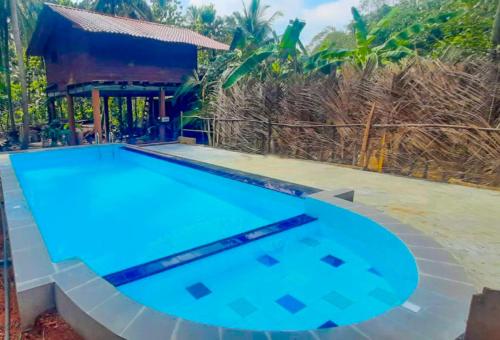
115, 209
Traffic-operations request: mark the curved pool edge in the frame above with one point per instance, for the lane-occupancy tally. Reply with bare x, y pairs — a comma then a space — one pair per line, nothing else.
438, 307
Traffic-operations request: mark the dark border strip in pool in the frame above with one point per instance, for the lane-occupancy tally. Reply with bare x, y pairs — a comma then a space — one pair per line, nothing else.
245, 177
172, 261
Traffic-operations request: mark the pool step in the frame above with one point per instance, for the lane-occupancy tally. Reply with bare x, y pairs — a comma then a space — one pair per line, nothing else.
172, 261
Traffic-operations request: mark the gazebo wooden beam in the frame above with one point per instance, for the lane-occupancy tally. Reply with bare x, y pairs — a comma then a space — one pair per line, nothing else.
71, 119
96, 109
162, 114
106, 117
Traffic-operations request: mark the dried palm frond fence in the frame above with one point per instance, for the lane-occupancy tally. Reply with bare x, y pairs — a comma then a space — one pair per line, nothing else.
424, 119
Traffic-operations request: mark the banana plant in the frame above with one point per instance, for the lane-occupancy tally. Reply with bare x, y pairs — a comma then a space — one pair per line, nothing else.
281, 55
397, 46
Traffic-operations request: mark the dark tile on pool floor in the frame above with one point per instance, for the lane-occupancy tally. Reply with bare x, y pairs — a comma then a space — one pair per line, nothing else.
333, 261
290, 303
267, 260
374, 271
243, 307
328, 324
384, 296
198, 290
338, 300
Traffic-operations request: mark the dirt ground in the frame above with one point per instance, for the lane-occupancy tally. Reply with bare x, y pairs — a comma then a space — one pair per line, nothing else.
48, 326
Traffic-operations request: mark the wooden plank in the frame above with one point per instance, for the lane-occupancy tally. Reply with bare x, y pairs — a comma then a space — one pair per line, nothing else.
363, 160
96, 109
106, 117
130, 118
71, 119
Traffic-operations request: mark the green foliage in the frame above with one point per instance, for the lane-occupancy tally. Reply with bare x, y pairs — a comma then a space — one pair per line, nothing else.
167, 12
136, 9
56, 133
284, 54
379, 34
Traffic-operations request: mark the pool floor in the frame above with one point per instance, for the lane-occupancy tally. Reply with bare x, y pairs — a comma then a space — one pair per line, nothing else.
298, 281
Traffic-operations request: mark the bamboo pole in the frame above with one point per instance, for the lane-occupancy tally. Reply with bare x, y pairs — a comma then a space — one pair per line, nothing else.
71, 119
363, 160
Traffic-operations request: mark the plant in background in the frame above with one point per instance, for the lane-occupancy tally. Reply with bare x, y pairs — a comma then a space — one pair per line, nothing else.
56, 132
278, 58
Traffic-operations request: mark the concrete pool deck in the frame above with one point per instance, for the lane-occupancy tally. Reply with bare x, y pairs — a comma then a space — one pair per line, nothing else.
465, 220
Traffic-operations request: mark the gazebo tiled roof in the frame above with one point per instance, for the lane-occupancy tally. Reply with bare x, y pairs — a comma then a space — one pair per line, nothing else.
100, 23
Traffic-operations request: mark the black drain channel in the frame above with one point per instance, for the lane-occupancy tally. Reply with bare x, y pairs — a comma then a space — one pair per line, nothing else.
172, 261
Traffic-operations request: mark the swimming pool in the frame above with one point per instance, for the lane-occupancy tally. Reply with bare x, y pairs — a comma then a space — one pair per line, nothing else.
286, 261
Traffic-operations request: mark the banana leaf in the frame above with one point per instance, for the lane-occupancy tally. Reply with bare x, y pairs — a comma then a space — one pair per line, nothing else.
247, 66
290, 39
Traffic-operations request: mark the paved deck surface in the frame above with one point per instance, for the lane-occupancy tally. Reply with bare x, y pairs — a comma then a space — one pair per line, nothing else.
465, 220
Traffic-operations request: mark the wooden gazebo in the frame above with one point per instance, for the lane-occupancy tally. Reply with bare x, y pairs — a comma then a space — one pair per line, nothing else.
88, 54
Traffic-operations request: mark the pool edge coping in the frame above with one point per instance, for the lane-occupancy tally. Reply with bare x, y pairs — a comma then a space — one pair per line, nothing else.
42, 284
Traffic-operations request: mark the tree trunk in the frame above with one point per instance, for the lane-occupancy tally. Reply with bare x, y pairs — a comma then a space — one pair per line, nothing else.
5, 49
22, 73
496, 28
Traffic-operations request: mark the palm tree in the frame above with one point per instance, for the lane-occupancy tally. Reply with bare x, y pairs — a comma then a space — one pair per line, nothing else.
22, 72
135, 9
254, 26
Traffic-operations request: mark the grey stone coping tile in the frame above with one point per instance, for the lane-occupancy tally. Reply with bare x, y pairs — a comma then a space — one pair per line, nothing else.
276, 335
116, 312
443, 270
150, 324
401, 228
434, 254
188, 330
430, 326
31, 263
435, 303
231, 334
40, 281
25, 238
450, 289
343, 332
90, 294
74, 276
387, 329
341, 193
419, 240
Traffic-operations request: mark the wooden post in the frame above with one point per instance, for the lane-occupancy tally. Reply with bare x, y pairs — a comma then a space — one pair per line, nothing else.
96, 109
363, 159
162, 115
381, 157
130, 118
71, 119
51, 108
106, 117
151, 114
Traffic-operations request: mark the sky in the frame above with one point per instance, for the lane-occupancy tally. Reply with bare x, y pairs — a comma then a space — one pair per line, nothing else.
317, 14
